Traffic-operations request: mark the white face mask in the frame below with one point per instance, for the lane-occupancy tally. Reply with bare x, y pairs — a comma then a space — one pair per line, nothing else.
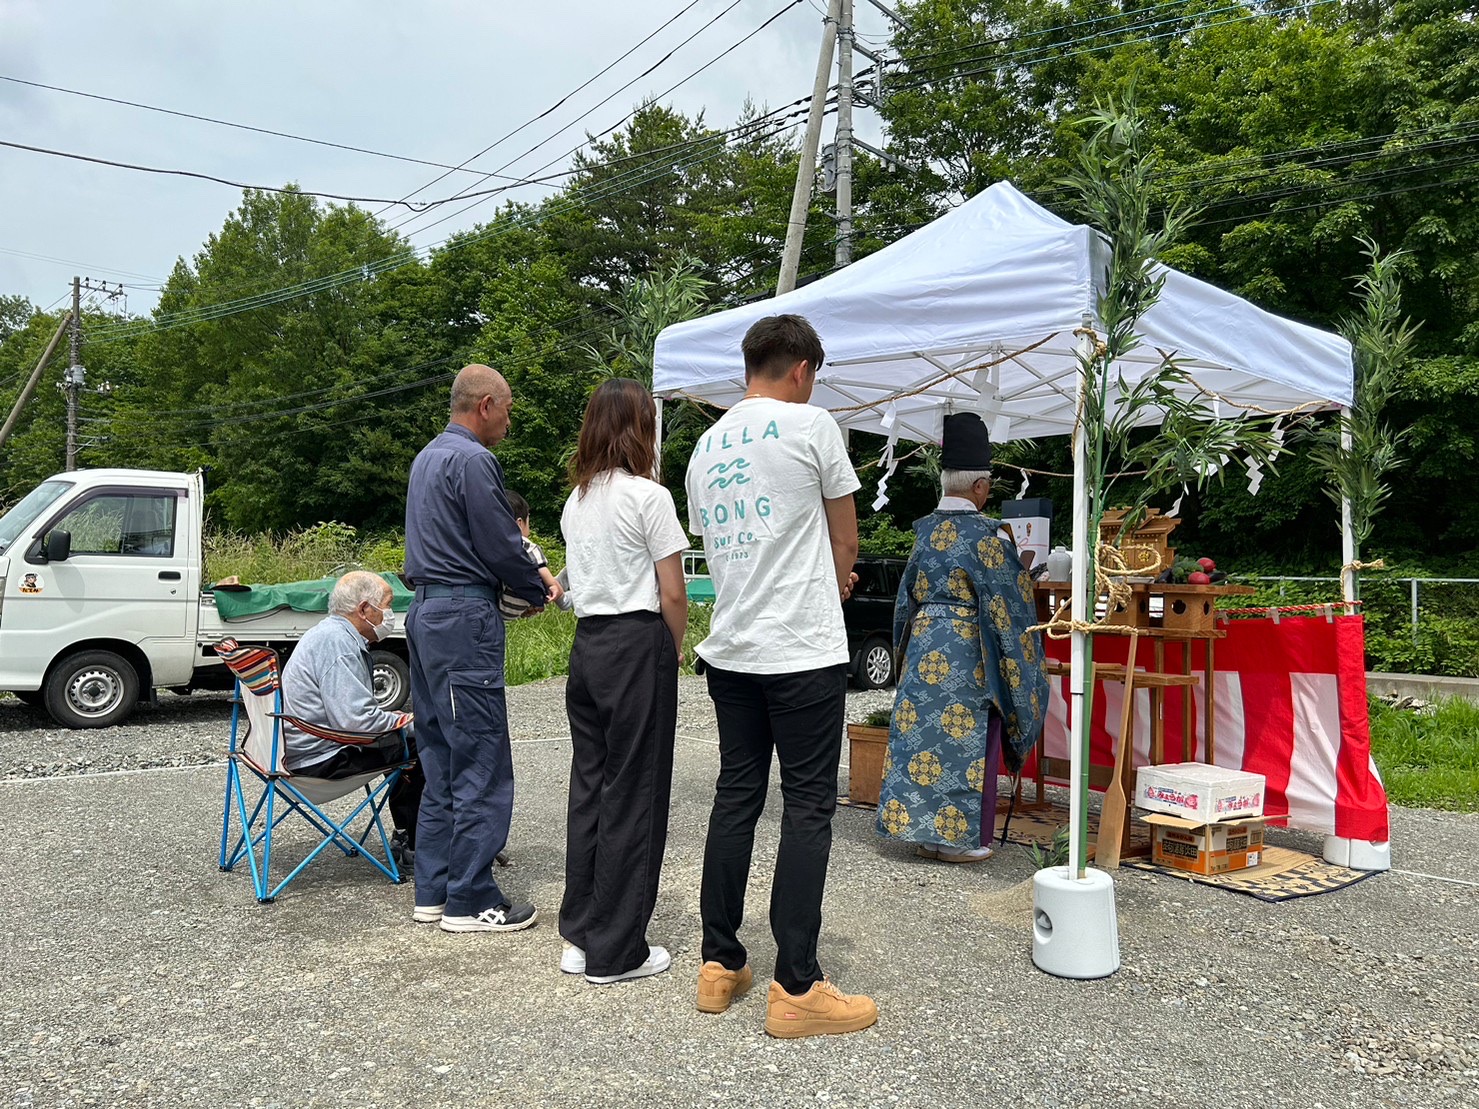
386, 626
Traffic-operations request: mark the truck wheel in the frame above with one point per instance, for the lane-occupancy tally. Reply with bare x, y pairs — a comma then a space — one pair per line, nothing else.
92, 689
876, 667
392, 677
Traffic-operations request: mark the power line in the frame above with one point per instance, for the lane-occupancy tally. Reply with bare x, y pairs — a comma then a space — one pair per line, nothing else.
755, 128
1272, 162
592, 138
229, 123
151, 422
417, 206
623, 182
75, 264
1054, 52
1375, 195
552, 107
1001, 40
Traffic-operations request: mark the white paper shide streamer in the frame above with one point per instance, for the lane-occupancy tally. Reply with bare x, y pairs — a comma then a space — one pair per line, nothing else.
887, 463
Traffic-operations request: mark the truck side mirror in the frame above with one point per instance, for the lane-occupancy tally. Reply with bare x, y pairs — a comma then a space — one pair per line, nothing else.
58, 545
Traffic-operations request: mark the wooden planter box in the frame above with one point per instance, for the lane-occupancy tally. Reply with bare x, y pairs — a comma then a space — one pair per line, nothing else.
866, 747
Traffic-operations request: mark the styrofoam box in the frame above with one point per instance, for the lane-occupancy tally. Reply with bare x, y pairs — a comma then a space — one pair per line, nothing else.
1196, 791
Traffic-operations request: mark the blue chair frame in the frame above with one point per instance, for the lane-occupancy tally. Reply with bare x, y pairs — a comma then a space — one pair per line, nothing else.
257, 701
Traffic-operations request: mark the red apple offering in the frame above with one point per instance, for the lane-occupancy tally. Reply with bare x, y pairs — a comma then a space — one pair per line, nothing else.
1207, 565
1199, 578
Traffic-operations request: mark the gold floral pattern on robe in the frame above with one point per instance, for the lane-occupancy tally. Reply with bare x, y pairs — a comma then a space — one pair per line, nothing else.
925, 769
971, 670
952, 824
944, 536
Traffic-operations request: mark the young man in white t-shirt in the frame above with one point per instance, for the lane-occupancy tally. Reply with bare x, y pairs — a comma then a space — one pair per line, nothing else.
770, 490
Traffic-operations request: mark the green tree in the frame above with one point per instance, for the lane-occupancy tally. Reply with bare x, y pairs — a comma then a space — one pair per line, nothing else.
294, 403
14, 312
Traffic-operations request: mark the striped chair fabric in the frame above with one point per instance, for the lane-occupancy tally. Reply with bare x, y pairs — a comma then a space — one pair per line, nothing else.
255, 666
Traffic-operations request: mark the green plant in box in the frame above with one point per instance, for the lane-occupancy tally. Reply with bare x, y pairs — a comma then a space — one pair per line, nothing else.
1053, 853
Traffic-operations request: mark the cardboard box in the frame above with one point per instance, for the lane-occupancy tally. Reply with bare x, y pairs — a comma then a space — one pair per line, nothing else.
1196, 791
1204, 848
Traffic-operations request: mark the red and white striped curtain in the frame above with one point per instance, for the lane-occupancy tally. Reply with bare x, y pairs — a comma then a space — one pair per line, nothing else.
1290, 704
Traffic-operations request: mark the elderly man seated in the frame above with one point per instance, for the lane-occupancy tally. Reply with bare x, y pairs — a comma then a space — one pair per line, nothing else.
328, 681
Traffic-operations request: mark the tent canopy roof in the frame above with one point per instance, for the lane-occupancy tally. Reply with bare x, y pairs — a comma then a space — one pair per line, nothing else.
977, 311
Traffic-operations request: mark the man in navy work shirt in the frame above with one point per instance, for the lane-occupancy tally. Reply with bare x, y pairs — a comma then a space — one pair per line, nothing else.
461, 544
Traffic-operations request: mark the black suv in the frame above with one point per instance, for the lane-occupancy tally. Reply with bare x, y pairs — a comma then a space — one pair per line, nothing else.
869, 616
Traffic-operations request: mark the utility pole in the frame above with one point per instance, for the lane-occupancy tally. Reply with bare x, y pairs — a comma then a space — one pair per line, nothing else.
30, 386
845, 44
807, 168
74, 381
75, 375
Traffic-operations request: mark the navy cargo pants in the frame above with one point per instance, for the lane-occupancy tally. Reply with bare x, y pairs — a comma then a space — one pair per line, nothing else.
462, 740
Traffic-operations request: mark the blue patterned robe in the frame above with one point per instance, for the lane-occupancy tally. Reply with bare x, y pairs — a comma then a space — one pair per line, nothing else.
966, 604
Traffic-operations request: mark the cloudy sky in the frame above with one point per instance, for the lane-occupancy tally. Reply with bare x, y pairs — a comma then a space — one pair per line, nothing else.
435, 80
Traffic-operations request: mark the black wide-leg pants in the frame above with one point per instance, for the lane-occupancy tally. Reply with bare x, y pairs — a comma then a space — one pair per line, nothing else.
622, 700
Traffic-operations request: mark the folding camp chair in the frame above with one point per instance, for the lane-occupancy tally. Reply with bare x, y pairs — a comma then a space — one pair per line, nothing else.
256, 747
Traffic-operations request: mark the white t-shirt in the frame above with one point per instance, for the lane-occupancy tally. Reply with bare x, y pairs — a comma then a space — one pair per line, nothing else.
613, 536
756, 483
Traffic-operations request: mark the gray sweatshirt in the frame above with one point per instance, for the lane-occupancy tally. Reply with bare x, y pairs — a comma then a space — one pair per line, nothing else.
327, 681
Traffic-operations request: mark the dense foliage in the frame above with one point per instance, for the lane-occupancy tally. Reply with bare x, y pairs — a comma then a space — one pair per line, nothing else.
303, 352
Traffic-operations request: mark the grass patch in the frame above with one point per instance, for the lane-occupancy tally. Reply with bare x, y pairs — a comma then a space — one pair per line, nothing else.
1428, 759
302, 555
539, 647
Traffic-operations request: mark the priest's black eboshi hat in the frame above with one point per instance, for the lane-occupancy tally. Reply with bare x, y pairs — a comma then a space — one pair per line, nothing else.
966, 445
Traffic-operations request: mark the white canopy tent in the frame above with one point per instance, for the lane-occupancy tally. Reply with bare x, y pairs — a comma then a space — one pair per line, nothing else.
987, 309
1001, 284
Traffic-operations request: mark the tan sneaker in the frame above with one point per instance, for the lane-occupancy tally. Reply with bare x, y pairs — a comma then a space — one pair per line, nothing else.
717, 987
820, 1011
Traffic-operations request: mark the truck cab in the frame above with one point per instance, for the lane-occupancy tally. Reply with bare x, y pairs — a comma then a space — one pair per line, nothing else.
101, 570
101, 599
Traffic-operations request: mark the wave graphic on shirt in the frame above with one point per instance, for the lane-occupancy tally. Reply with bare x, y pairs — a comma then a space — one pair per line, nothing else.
722, 468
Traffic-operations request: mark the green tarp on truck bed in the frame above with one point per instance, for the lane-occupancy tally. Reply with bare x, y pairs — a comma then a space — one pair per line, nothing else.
238, 602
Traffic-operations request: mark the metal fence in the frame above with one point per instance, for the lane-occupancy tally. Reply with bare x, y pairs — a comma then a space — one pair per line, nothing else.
1414, 625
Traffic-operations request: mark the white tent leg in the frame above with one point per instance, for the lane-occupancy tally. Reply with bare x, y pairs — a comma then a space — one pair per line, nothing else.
1347, 533
657, 400
1358, 854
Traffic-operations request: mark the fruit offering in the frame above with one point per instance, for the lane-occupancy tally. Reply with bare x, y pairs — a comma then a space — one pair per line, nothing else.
1189, 571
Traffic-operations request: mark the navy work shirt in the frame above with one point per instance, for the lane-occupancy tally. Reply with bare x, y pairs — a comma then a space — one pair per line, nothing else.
459, 528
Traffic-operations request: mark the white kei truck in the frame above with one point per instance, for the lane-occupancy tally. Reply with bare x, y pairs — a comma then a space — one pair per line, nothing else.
102, 602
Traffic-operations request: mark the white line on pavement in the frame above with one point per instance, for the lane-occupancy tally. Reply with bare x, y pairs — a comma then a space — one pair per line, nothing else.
113, 773
1435, 877
192, 766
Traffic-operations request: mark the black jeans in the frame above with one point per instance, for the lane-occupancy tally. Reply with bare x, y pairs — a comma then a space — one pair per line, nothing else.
405, 798
622, 700
799, 717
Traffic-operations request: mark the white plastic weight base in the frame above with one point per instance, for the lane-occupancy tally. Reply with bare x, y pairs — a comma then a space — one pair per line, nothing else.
1075, 933
1358, 854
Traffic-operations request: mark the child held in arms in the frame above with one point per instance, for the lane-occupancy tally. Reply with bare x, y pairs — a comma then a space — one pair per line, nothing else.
514, 607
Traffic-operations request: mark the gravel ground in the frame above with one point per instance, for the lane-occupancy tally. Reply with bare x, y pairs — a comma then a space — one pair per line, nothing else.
130, 963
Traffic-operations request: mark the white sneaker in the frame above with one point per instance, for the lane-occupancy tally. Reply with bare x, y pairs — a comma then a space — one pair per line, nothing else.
500, 918
658, 960
428, 914
572, 960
